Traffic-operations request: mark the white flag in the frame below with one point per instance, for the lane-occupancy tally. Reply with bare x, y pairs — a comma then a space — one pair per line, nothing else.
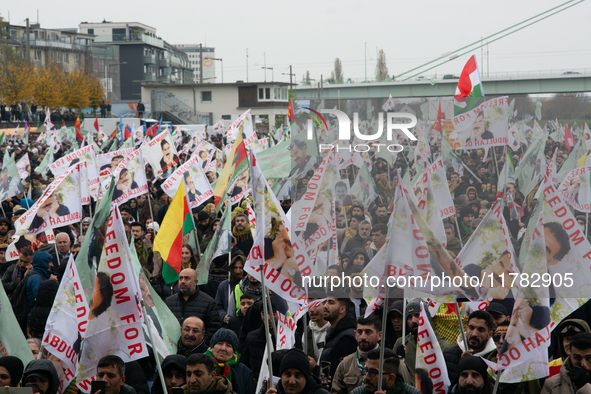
430, 356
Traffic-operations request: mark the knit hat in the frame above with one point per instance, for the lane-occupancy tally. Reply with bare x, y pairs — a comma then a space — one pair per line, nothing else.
15, 368
465, 211
225, 335
472, 363
202, 216
3, 247
295, 358
415, 307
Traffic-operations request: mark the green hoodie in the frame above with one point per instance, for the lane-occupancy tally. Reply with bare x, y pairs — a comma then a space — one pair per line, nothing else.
220, 385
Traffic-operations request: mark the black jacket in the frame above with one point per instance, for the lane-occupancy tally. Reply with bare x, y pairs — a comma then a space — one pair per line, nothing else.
135, 379
340, 342
452, 356
254, 350
198, 304
242, 379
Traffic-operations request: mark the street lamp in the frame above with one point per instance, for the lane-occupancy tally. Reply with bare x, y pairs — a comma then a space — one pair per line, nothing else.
272, 73
221, 60
107, 68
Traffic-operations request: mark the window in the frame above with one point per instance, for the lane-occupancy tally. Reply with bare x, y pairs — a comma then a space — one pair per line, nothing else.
205, 96
90, 31
58, 57
78, 58
227, 117
65, 57
264, 93
38, 56
119, 35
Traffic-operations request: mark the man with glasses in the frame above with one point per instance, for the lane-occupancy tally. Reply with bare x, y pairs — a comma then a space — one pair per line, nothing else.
192, 339
392, 381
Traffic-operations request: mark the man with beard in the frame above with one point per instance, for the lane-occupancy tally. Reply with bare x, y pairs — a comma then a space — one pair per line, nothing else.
190, 301
192, 339
17, 272
348, 374
473, 378
226, 290
174, 371
242, 233
5, 225
340, 339
409, 350
380, 215
358, 241
479, 333
318, 327
4, 265
296, 377
575, 373
298, 151
392, 380
201, 377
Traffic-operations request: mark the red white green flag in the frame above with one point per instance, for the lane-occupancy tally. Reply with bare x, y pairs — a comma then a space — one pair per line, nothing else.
469, 89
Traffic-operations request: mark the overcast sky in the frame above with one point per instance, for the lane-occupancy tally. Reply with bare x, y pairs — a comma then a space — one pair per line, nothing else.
310, 34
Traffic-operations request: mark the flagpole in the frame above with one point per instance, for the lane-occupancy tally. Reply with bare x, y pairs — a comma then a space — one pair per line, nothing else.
403, 316
383, 340
159, 367
264, 287
497, 381
461, 325
496, 162
229, 285
459, 235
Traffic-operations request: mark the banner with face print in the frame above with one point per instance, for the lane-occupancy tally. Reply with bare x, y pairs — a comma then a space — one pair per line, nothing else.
484, 126
576, 190
161, 154
130, 178
92, 175
108, 162
61, 205
24, 167
198, 188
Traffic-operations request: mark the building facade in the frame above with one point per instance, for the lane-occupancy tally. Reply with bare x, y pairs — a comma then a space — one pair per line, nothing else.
209, 102
143, 56
194, 54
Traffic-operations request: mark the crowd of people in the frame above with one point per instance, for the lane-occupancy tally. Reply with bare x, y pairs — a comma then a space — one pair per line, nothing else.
223, 340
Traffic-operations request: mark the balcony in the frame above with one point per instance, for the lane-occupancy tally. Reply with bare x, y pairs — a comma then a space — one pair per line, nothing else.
132, 38
50, 44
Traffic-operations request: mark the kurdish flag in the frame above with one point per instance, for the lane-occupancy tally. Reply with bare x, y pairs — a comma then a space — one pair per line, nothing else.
169, 240
236, 165
290, 113
469, 90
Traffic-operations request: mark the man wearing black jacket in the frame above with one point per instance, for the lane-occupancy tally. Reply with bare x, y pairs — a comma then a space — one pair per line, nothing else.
190, 301
340, 339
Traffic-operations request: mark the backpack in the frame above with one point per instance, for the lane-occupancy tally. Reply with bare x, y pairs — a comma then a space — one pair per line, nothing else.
20, 306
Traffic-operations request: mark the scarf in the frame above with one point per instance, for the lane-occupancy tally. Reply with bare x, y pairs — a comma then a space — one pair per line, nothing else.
223, 369
17, 275
399, 386
350, 233
244, 234
245, 286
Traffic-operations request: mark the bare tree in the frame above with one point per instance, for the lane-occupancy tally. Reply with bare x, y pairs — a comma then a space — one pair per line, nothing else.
567, 106
381, 67
337, 74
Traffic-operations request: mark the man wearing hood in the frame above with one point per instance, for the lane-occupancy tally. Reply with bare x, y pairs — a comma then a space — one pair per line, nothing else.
575, 373
4, 265
358, 257
394, 323
473, 378
11, 371
409, 350
192, 338
566, 330
296, 377
174, 371
466, 217
226, 289
202, 378
42, 373
479, 331
5, 226
41, 266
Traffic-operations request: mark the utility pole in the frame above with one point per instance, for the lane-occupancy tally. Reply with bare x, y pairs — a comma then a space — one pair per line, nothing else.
265, 67
365, 53
28, 34
487, 61
246, 64
291, 74
200, 63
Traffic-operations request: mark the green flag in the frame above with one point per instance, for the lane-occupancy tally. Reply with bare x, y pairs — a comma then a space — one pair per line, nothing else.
128, 143
12, 340
92, 246
538, 110
275, 162
220, 244
114, 145
364, 188
161, 320
44, 165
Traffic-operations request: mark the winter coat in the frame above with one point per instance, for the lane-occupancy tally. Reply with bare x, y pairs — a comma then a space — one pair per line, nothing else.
313, 331
41, 262
39, 314
561, 383
253, 352
453, 355
198, 304
340, 342
411, 350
